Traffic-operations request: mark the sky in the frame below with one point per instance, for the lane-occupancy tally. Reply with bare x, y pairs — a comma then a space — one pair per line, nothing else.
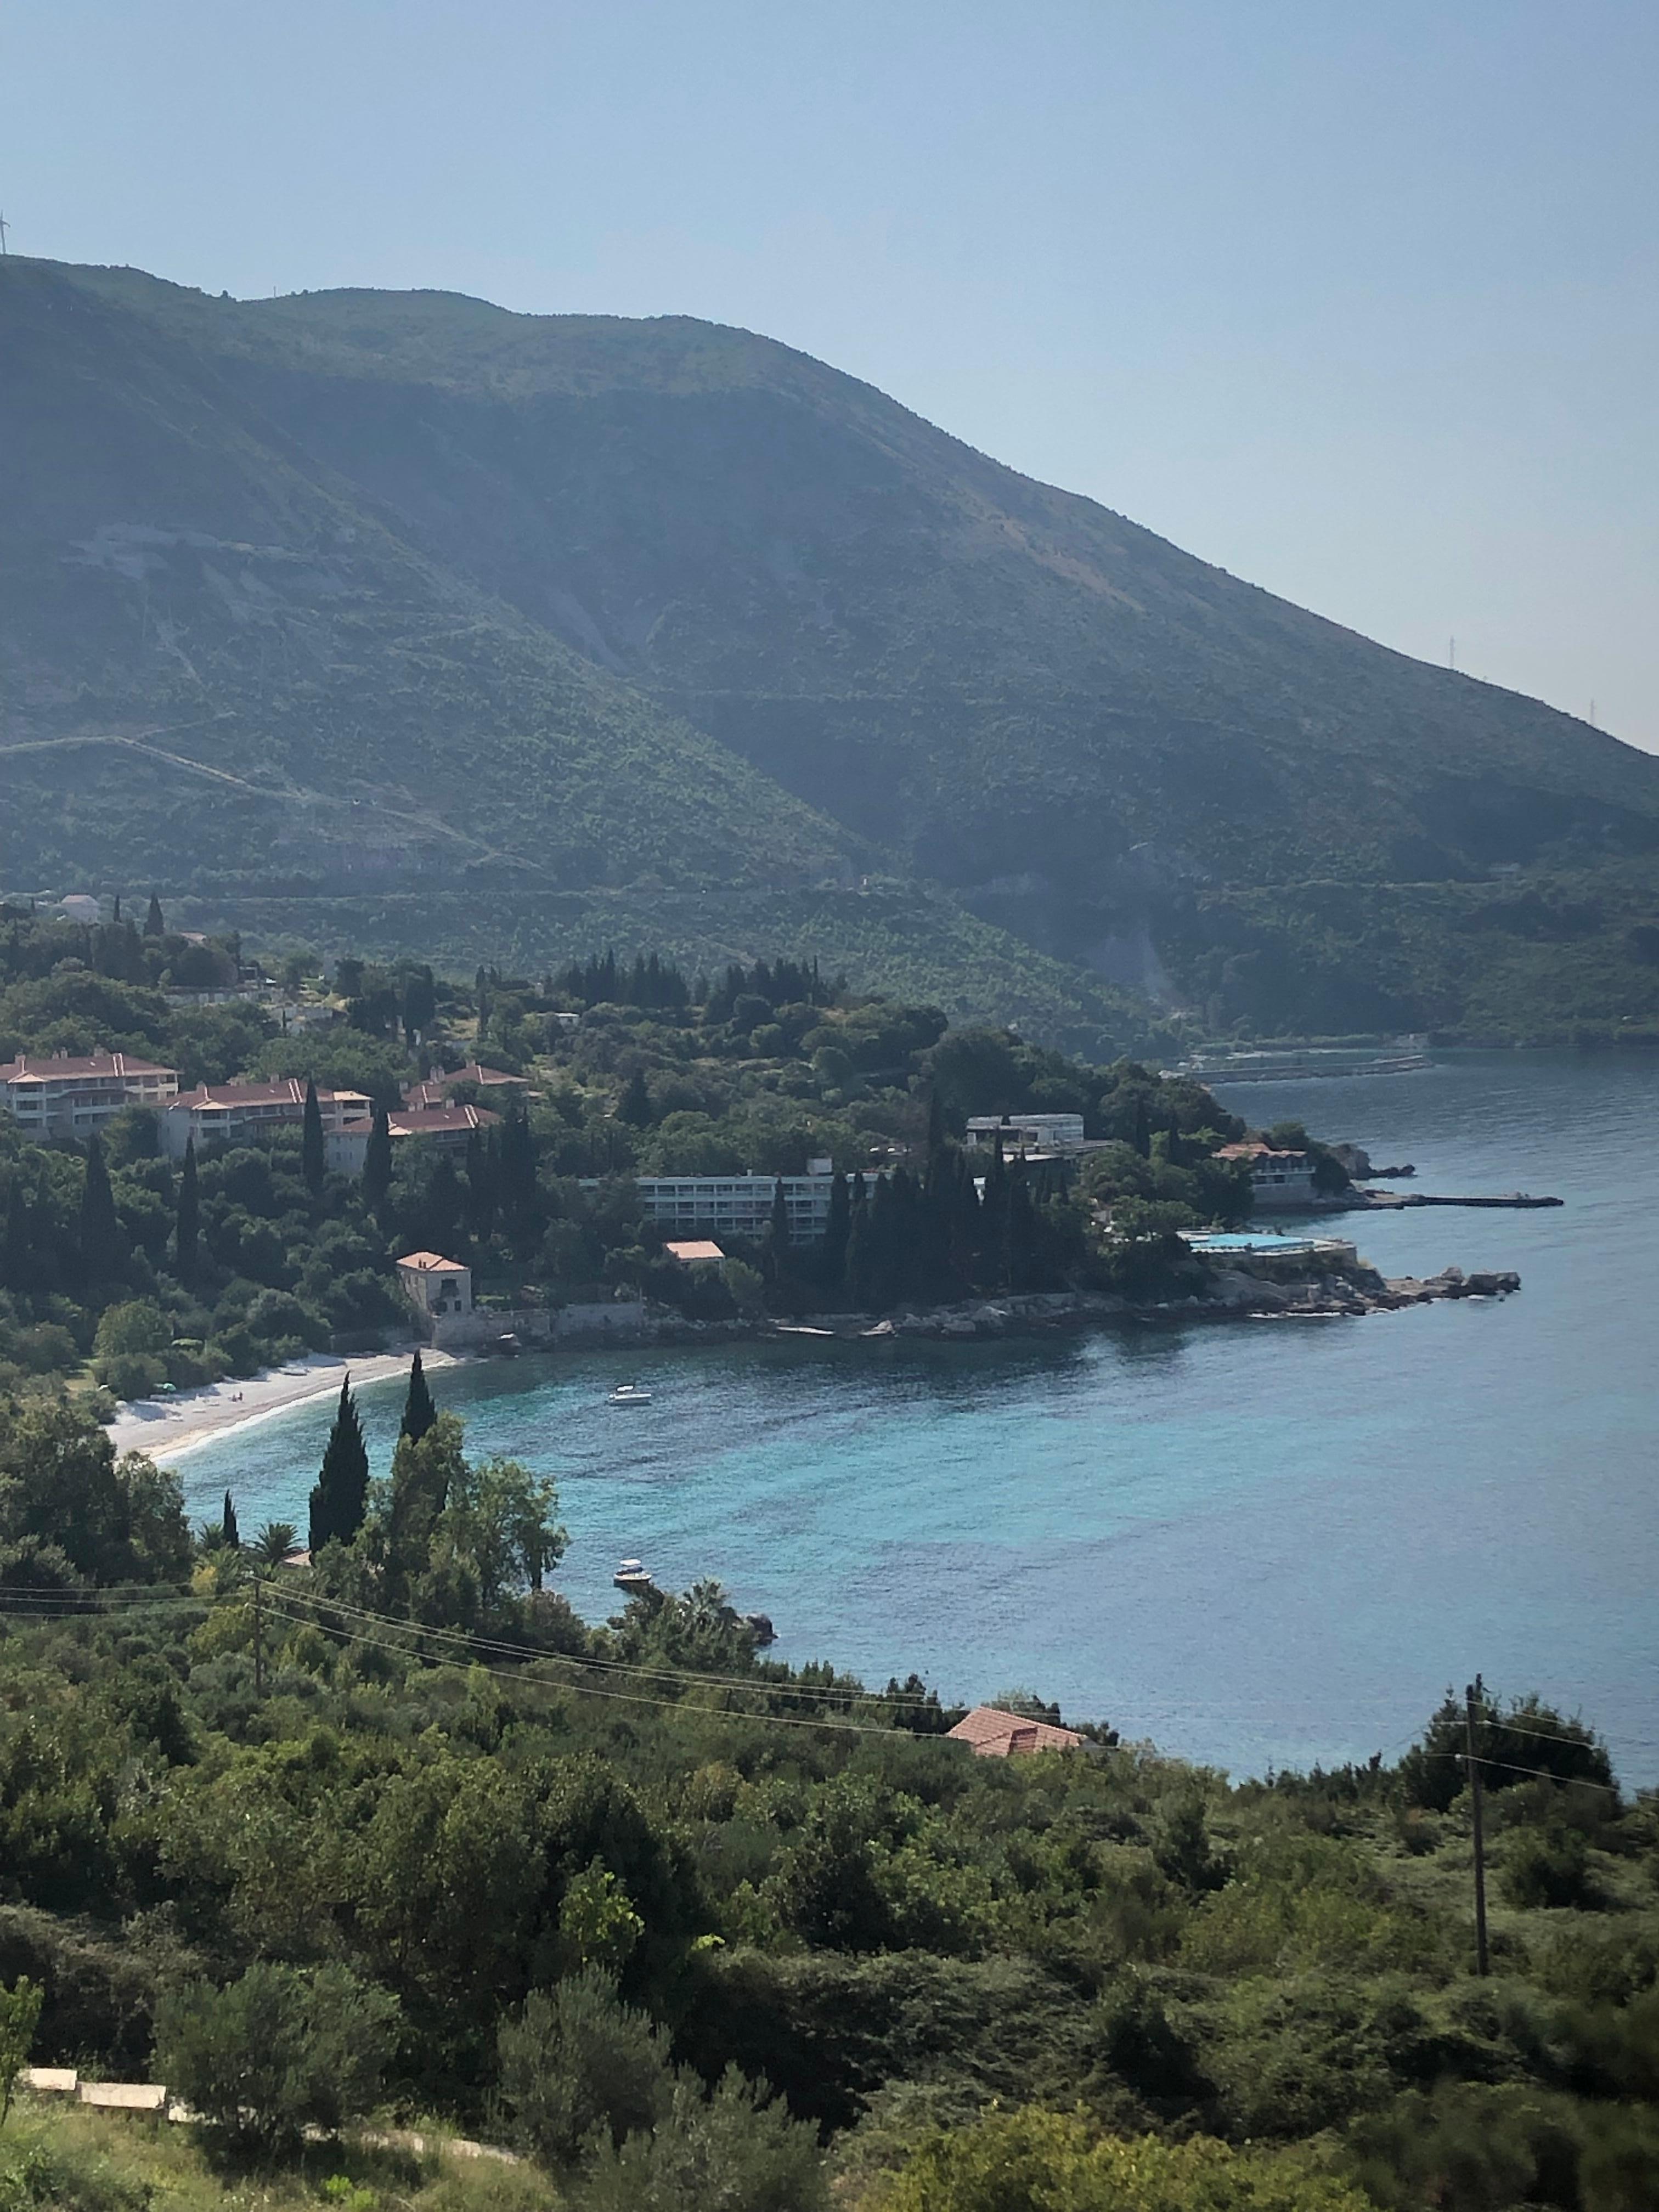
1359, 301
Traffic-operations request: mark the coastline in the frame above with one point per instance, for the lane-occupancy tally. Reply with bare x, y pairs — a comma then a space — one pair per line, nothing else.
170, 1429
167, 1428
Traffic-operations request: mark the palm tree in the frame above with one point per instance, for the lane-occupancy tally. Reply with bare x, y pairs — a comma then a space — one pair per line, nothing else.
273, 1543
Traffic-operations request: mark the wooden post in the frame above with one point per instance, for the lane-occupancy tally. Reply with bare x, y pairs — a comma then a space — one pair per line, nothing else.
1481, 1961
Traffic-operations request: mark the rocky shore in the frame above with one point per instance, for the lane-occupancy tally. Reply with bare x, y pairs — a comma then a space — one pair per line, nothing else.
1229, 1294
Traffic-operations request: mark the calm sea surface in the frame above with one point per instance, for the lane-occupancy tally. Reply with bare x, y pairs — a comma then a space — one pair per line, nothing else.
1256, 1543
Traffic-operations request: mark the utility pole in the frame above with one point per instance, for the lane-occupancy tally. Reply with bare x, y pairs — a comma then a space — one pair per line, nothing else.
1451, 653
1475, 1691
4, 228
259, 1671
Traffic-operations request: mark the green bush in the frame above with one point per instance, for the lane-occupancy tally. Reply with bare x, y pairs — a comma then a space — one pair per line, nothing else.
736, 2150
1548, 1867
276, 2052
579, 2064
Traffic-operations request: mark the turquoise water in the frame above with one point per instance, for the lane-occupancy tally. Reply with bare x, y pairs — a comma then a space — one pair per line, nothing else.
1253, 1542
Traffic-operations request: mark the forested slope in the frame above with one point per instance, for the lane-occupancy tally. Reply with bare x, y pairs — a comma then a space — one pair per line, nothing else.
465, 598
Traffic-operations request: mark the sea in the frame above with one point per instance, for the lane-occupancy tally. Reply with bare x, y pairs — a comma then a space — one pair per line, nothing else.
1261, 1544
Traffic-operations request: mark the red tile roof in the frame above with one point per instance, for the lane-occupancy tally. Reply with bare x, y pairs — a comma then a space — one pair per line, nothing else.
436, 1091
59, 1066
689, 1249
286, 1090
990, 1733
429, 1263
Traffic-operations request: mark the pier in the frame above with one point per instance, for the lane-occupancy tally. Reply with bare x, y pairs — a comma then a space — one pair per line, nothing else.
1394, 1201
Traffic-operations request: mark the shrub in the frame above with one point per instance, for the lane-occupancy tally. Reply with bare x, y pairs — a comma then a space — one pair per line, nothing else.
1008, 2162
737, 2150
579, 2064
276, 2052
1548, 1867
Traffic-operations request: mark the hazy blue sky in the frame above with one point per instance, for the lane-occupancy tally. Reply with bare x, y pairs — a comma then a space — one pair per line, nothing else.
1357, 300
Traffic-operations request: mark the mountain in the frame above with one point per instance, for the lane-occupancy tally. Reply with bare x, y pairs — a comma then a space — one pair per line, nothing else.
350, 608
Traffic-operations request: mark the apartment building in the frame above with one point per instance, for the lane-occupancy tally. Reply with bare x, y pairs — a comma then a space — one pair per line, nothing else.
63, 1096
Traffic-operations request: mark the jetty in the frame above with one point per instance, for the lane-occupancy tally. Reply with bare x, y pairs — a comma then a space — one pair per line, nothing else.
1394, 1201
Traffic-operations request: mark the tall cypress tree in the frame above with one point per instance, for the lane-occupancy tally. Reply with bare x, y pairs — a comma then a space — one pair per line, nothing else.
314, 1159
227, 1528
103, 1247
340, 1497
776, 1258
377, 1159
419, 1412
187, 1225
858, 1244
15, 1237
832, 1257
154, 924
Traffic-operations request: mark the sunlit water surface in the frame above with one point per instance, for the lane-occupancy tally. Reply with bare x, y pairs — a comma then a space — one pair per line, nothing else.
1253, 1542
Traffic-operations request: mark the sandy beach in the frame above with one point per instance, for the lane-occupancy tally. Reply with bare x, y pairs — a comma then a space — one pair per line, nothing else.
167, 1428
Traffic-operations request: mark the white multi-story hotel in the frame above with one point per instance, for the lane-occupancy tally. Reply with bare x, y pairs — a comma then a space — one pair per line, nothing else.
63, 1097
737, 1204
1026, 1133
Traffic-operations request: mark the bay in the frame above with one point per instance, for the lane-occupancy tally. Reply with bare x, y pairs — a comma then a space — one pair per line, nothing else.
1255, 1543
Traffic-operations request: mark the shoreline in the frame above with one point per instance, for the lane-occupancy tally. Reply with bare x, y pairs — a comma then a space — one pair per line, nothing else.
167, 1428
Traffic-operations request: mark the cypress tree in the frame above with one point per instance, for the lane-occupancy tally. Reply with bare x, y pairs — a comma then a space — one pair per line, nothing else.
419, 1412
832, 1258
1021, 1232
377, 1159
776, 1255
312, 1158
103, 1249
516, 1183
154, 924
227, 1528
187, 1225
15, 1240
858, 1244
636, 1106
1142, 1129
339, 1498
993, 1254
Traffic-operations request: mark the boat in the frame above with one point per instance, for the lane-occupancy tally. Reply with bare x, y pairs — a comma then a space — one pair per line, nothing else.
628, 1393
632, 1577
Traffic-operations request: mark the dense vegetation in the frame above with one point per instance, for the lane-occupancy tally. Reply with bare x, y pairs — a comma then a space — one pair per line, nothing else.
399, 1834
163, 1273
442, 629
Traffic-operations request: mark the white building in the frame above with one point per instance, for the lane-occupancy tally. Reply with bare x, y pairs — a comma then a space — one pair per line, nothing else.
1278, 1180
696, 1207
1025, 1133
441, 1289
248, 1113
63, 1097
448, 1127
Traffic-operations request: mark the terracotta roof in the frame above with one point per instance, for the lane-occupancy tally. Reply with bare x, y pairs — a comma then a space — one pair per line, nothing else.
691, 1248
435, 1090
430, 1263
287, 1090
1254, 1149
990, 1733
433, 1120
59, 1066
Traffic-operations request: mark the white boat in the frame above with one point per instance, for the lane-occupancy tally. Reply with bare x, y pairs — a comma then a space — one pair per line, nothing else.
631, 1576
628, 1393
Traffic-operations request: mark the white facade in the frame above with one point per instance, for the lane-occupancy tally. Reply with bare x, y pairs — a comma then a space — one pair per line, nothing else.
448, 1127
248, 1113
1026, 1133
735, 1205
63, 1097
1276, 1179
442, 1289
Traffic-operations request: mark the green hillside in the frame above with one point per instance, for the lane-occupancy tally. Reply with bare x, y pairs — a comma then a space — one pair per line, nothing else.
354, 593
